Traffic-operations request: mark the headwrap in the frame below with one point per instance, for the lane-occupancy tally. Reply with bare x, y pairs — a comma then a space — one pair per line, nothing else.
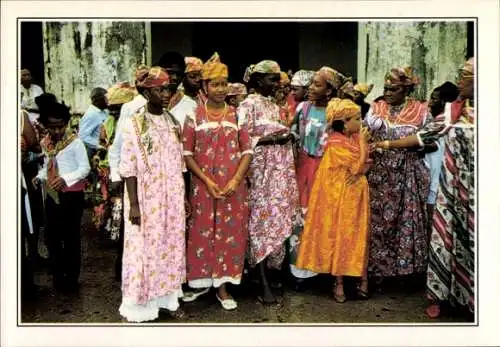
193, 64
213, 68
402, 77
284, 79
340, 109
348, 88
237, 89
468, 69
121, 93
265, 66
140, 70
363, 88
302, 78
152, 78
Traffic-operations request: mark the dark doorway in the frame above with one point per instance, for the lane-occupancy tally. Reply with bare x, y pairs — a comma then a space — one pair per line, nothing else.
31, 37
240, 44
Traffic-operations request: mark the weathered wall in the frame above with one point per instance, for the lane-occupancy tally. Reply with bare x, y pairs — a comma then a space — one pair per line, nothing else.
435, 49
80, 56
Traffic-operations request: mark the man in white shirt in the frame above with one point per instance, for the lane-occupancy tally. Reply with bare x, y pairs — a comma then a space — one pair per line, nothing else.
29, 92
191, 84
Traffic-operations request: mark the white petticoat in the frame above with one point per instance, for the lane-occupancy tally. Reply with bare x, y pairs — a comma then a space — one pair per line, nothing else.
142, 313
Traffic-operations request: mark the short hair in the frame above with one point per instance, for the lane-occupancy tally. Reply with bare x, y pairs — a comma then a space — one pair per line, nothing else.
448, 92
169, 59
54, 110
97, 93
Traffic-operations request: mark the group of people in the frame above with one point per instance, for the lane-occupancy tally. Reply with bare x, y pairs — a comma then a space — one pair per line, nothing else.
200, 179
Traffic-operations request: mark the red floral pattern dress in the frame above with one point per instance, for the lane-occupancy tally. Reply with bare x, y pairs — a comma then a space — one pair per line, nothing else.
217, 229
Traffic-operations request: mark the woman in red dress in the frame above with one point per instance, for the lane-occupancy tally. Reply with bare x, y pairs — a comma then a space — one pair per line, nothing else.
218, 153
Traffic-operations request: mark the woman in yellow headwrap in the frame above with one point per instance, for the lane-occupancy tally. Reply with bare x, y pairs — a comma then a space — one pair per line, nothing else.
218, 154
335, 236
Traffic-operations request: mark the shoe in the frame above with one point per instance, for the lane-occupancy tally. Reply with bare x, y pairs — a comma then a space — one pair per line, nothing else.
192, 296
227, 304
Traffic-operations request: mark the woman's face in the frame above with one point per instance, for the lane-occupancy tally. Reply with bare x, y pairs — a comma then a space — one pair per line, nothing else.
217, 89
56, 128
269, 84
466, 85
193, 81
299, 93
352, 125
394, 94
318, 89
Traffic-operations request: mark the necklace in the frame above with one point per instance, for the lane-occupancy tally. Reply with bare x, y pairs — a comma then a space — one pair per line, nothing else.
216, 115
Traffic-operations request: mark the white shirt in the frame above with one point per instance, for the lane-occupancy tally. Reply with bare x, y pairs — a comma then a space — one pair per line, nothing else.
186, 106
72, 163
28, 96
127, 111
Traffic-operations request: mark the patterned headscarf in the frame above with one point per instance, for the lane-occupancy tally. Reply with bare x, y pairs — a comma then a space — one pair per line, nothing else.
193, 64
237, 89
348, 88
328, 75
302, 78
121, 93
140, 70
152, 78
469, 69
340, 109
363, 88
284, 79
213, 68
402, 76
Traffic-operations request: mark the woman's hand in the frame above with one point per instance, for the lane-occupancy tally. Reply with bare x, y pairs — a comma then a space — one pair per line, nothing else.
213, 189
231, 187
364, 135
134, 215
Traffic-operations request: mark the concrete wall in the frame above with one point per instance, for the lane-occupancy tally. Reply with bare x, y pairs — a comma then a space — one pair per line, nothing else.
79, 56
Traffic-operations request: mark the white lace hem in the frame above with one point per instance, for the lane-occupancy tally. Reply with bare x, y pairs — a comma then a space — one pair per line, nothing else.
301, 273
213, 282
137, 313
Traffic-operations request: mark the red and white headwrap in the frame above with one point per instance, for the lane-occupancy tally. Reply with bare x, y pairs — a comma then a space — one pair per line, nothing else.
153, 78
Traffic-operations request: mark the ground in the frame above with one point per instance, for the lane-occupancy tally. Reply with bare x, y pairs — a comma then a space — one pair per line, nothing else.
99, 299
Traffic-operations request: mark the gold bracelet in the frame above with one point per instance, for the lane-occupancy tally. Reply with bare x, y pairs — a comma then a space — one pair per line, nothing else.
387, 144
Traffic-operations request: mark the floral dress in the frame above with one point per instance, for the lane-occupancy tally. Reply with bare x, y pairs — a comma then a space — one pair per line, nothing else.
154, 264
273, 194
217, 229
399, 185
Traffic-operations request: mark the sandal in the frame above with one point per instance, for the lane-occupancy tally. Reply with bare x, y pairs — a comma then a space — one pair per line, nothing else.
363, 295
267, 303
227, 304
192, 296
338, 298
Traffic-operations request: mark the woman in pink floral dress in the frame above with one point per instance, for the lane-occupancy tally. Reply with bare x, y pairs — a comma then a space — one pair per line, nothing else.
154, 265
218, 154
273, 186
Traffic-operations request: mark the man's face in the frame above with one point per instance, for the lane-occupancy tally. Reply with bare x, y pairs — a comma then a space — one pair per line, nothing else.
175, 74
25, 78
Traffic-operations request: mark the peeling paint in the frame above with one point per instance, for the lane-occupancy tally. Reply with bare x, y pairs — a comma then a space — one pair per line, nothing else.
435, 49
80, 56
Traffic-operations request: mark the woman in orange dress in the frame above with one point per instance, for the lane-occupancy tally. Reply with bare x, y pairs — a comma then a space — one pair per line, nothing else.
335, 236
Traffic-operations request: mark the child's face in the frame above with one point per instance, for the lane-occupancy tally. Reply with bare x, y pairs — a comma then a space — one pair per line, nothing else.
352, 125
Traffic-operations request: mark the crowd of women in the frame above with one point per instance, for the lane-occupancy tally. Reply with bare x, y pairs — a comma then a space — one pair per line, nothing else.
200, 180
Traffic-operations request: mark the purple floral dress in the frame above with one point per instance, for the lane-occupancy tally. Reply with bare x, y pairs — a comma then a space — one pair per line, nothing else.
273, 194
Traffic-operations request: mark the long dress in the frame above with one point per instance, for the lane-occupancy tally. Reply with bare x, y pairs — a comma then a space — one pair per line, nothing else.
154, 264
273, 194
450, 276
217, 229
335, 237
310, 127
399, 184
